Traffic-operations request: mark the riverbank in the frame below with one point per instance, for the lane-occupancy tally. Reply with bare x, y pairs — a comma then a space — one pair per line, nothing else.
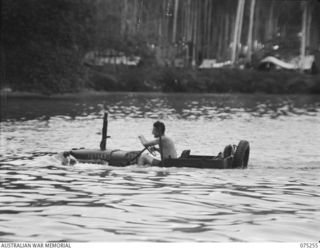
222, 80
182, 80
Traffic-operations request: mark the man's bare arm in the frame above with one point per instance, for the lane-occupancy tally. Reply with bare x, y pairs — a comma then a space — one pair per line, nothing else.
148, 143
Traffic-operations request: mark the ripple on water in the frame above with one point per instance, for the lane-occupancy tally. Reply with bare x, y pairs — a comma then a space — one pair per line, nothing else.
43, 200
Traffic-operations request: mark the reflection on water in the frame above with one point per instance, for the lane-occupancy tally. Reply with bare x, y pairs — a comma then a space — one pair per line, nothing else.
171, 106
42, 200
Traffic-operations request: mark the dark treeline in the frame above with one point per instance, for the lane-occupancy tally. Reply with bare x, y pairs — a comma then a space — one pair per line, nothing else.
44, 43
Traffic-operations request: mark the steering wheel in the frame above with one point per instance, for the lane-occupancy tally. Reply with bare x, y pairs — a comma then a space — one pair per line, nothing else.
151, 150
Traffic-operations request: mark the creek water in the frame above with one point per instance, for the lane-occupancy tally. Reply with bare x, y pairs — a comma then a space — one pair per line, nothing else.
276, 199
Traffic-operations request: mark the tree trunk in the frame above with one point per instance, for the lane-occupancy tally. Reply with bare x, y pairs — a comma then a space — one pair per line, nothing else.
188, 32
205, 28
226, 36
133, 19
213, 35
124, 17
160, 25
250, 31
256, 26
182, 18
237, 32
314, 30
190, 20
175, 21
194, 34
209, 31
165, 21
303, 32
220, 36
199, 31
309, 22
240, 25
269, 29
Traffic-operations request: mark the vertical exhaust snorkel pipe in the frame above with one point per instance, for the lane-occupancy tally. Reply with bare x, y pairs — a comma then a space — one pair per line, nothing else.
103, 143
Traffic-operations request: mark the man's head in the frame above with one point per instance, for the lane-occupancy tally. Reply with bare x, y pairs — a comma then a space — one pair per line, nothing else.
158, 129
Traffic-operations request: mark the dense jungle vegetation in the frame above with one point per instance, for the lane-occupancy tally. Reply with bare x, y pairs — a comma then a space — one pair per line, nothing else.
45, 43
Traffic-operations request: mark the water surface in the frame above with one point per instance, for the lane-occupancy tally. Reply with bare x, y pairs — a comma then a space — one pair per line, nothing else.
275, 199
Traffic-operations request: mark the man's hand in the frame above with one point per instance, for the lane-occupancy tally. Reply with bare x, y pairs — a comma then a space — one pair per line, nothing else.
150, 148
156, 149
142, 139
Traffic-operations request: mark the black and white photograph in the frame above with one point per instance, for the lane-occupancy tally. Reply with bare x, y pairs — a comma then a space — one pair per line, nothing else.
160, 123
